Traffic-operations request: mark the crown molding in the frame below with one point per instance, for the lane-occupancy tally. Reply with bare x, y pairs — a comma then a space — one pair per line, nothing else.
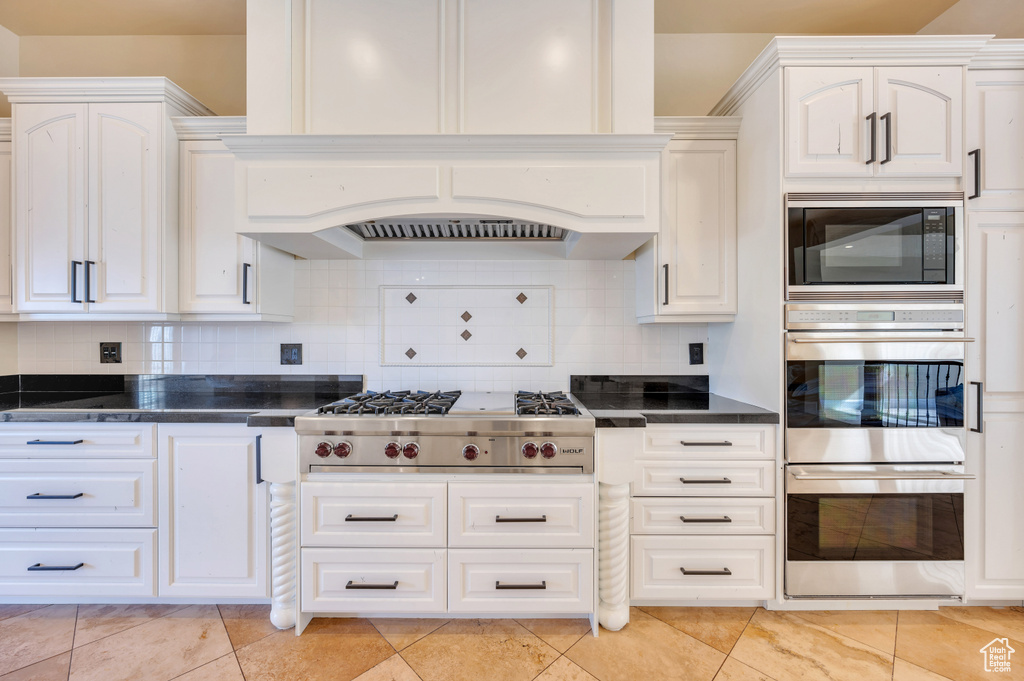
141, 89
869, 50
315, 145
699, 127
1000, 54
207, 127
5, 129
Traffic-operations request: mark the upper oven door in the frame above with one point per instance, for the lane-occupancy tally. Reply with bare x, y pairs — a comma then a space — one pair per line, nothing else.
874, 397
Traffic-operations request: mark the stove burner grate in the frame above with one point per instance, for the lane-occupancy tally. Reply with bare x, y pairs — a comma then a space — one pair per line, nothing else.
394, 402
544, 404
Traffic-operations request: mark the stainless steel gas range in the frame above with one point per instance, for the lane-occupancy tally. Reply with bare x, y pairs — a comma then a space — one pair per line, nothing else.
448, 432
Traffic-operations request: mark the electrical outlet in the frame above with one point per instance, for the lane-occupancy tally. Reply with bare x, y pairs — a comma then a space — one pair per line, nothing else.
291, 353
696, 353
110, 353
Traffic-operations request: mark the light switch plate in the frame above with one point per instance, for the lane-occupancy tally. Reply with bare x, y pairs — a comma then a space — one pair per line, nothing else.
110, 353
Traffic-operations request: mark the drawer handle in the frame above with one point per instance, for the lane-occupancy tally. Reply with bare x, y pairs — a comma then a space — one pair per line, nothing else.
39, 567
724, 572
390, 587
55, 442
542, 585
499, 519
723, 443
39, 495
371, 519
705, 481
714, 519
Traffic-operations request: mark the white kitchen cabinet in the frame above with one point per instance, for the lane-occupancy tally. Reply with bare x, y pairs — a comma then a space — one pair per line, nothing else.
213, 512
6, 300
223, 275
994, 175
913, 114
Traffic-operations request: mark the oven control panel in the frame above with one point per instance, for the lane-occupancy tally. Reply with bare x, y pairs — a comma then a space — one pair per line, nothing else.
874, 317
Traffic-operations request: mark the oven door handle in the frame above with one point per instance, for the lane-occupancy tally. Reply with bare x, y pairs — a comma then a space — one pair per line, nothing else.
875, 476
881, 340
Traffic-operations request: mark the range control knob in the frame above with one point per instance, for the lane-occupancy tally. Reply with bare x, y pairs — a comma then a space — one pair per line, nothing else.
392, 449
470, 452
323, 450
342, 449
411, 450
530, 450
548, 450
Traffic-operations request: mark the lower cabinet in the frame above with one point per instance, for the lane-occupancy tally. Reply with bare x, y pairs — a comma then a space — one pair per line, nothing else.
373, 580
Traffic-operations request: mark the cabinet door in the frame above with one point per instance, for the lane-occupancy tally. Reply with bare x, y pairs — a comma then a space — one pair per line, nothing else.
49, 220
827, 131
213, 514
995, 126
213, 256
6, 302
125, 230
698, 235
925, 109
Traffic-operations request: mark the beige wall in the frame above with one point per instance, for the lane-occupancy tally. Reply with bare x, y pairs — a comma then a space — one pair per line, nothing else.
8, 64
210, 67
693, 70
1004, 18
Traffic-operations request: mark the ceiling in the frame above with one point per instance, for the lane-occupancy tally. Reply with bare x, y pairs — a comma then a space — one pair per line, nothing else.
123, 17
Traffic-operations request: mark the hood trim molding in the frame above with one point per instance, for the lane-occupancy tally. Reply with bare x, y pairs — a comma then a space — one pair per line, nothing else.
318, 145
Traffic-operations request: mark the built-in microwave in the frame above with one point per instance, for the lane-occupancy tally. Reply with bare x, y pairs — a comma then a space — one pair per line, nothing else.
874, 246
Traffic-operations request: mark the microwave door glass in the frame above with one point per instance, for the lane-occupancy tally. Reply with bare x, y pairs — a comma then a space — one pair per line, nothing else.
863, 246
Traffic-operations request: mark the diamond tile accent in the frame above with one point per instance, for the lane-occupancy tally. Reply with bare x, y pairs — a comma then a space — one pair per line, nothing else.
466, 316
410, 353
521, 353
411, 298
521, 298
466, 335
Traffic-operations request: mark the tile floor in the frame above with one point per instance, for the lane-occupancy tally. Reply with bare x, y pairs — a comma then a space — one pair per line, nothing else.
238, 643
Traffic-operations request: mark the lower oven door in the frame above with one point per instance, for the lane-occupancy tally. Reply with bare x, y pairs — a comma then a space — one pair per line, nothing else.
861, 531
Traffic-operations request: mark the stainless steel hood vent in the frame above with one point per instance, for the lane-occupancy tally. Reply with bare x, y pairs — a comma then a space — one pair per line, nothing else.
456, 229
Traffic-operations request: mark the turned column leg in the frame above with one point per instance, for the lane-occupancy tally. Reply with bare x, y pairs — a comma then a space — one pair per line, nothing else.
283, 529
613, 556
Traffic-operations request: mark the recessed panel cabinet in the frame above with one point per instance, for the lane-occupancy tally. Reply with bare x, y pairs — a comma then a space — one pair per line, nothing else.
994, 176
6, 302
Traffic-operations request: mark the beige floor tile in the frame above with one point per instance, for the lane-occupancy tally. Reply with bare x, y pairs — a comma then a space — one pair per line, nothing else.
563, 669
53, 669
160, 649
1007, 621
392, 669
945, 646
402, 633
7, 611
35, 636
470, 650
337, 649
247, 623
99, 621
876, 628
720, 628
904, 671
222, 669
734, 670
646, 648
785, 646
560, 634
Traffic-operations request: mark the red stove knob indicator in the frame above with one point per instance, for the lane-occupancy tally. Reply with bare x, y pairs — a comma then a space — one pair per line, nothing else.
470, 452
342, 449
530, 450
411, 450
548, 450
392, 449
323, 450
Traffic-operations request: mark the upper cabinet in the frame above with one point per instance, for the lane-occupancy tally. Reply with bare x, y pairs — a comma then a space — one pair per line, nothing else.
95, 193
6, 302
863, 121
994, 177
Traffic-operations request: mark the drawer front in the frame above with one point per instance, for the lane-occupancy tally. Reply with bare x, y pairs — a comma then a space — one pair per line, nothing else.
542, 515
709, 442
373, 580
517, 581
76, 440
704, 479
705, 515
113, 562
77, 493
373, 514
716, 568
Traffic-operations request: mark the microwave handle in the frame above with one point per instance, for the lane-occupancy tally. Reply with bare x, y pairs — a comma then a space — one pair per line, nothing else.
873, 118
881, 340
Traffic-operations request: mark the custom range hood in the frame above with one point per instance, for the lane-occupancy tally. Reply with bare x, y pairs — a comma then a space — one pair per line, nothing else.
449, 196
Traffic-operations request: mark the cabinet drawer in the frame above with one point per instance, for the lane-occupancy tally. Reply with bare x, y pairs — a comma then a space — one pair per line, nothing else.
704, 478
705, 515
542, 515
716, 568
373, 580
75, 441
709, 442
78, 493
514, 581
113, 562
373, 514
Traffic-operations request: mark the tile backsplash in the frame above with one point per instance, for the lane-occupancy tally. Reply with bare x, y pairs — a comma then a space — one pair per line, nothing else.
337, 320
